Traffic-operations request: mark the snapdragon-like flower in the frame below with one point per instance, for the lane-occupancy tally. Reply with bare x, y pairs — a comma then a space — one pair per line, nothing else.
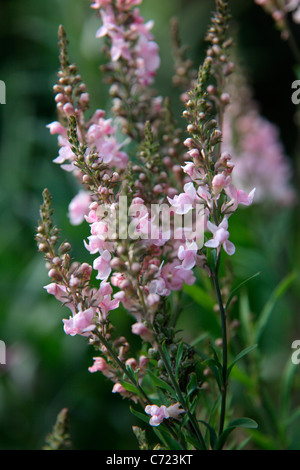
78, 207
81, 323
185, 201
102, 265
159, 413
257, 152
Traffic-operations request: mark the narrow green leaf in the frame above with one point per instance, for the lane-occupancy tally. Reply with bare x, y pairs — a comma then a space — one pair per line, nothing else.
212, 434
200, 296
240, 356
178, 359
192, 384
130, 387
199, 339
268, 309
234, 291
166, 354
246, 423
245, 316
145, 418
286, 389
161, 383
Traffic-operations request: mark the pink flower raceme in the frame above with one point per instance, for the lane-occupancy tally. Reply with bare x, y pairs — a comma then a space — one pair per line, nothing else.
99, 134
159, 413
131, 42
220, 237
258, 155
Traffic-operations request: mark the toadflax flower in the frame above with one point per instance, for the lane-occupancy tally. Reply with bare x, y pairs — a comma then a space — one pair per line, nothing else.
80, 323
78, 207
159, 413
102, 265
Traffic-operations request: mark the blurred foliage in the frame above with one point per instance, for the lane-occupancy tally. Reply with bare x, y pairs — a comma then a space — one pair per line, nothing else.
46, 371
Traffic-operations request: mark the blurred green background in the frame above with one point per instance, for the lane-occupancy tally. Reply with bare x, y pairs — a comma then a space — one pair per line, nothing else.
47, 370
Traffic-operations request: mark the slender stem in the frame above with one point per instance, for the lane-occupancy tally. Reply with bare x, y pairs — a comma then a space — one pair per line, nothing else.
224, 346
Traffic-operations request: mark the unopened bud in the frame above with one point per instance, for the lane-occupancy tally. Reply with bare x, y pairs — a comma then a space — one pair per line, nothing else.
54, 274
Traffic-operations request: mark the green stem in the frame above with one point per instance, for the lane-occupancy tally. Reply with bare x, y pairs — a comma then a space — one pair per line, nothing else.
224, 346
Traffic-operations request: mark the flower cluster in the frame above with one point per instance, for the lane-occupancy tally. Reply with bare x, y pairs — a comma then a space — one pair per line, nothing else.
209, 171
255, 145
133, 59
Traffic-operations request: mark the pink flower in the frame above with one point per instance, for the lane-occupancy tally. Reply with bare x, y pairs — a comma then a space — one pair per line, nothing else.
184, 202
60, 293
78, 207
191, 170
159, 413
159, 287
102, 265
220, 236
175, 276
102, 298
97, 244
100, 365
100, 3
57, 128
126, 4
65, 153
148, 60
141, 330
118, 388
80, 323
188, 255
109, 26
219, 182
119, 48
